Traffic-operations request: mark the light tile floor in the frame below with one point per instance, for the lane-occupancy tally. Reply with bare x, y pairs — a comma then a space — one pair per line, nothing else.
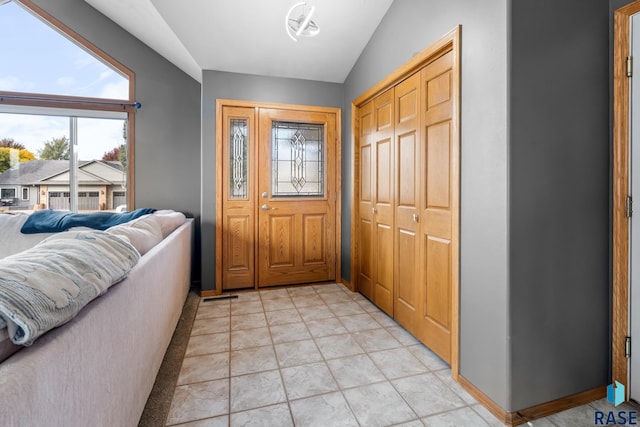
320, 356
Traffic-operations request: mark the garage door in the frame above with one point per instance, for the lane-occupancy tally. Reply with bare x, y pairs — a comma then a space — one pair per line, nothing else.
87, 200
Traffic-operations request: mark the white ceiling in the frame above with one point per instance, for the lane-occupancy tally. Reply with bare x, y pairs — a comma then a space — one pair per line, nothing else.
249, 36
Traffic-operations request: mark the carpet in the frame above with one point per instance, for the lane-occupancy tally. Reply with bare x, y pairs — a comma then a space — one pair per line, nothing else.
157, 407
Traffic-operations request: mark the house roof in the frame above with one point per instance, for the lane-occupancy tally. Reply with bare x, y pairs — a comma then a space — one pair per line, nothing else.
35, 172
32, 172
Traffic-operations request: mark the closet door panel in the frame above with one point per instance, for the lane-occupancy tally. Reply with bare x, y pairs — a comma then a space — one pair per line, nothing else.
407, 182
438, 189
365, 251
383, 290
384, 199
435, 320
365, 258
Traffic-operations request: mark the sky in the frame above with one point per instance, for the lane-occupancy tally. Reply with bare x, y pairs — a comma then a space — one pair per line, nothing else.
35, 58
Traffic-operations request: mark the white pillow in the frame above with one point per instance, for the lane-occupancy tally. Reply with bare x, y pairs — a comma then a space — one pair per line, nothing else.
143, 233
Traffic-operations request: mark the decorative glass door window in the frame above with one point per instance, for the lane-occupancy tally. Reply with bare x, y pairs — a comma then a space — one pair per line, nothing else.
297, 160
238, 182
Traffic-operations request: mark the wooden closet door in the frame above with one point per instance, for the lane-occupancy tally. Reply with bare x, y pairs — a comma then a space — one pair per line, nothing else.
438, 205
383, 206
366, 204
407, 215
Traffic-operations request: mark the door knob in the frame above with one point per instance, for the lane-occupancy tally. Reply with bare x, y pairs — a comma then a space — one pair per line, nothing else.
374, 210
265, 208
416, 218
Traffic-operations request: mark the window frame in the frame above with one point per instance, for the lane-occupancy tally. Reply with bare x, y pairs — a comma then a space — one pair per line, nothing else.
28, 193
15, 192
37, 100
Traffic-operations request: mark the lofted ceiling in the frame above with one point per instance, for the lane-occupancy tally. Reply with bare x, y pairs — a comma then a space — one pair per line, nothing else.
249, 36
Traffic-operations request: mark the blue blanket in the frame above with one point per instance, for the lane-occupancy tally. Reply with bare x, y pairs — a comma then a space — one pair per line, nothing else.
52, 221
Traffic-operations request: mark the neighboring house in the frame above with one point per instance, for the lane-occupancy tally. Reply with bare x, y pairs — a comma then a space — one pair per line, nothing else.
44, 184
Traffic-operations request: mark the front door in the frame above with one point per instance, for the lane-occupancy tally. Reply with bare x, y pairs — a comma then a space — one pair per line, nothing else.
297, 203
278, 196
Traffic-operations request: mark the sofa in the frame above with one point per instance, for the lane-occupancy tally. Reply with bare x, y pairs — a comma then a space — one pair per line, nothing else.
98, 368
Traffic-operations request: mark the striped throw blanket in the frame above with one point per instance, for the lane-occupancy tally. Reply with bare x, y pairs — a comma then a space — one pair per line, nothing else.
46, 286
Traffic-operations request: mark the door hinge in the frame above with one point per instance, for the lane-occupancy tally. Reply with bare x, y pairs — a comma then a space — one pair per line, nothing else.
627, 347
628, 208
629, 66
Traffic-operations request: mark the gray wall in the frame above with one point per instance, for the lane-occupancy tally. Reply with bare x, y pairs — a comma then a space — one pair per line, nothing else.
167, 144
222, 85
409, 27
559, 198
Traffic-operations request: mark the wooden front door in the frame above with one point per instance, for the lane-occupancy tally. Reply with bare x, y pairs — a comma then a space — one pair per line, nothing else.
278, 201
438, 205
297, 203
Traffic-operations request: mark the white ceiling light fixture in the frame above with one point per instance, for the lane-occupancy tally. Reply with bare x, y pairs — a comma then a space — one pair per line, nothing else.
298, 22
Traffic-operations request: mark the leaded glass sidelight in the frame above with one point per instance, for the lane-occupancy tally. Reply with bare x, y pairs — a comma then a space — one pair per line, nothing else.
238, 181
298, 160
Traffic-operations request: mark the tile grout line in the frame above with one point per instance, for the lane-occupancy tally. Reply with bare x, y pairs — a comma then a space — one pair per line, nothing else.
273, 345
313, 338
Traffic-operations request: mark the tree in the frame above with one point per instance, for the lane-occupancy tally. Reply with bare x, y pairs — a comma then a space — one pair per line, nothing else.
117, 154
123, 148
55, 149
11, 143
122, 156
11, 156
113, 155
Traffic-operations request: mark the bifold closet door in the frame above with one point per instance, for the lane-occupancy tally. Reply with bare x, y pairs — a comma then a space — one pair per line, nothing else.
365, 208
406, 227
407, 215
438, 205
383, 138
377, 201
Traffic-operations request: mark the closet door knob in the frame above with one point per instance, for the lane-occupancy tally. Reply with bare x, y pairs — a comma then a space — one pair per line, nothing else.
416, 218
374, 210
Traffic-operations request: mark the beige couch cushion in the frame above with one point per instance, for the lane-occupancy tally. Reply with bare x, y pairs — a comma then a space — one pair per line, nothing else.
169, 220
12, 240
7, 347
143, 233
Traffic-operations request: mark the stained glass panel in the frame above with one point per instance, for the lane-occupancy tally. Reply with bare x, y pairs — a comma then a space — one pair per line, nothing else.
238, 144
298, 160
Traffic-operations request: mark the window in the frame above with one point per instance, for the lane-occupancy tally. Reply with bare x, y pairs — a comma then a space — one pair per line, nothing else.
298, 160
7, 193
66, 106
25, 193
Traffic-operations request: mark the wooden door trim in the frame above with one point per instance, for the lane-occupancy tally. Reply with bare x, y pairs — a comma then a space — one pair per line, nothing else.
220, 103
620, 298
448, 42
